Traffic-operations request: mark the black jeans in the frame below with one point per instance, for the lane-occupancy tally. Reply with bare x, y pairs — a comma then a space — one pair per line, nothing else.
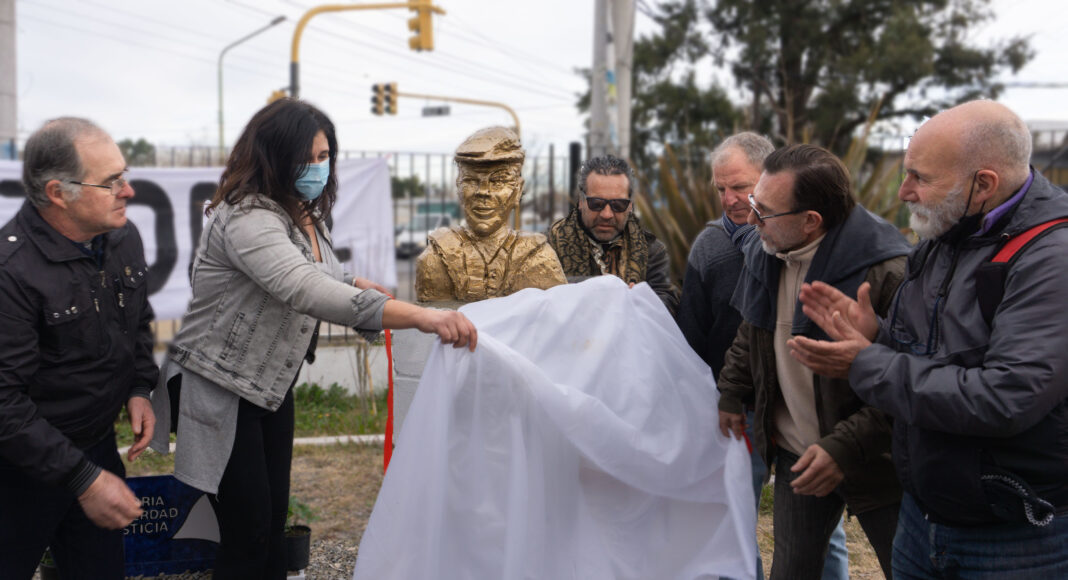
803, 525
254, 495
35, 515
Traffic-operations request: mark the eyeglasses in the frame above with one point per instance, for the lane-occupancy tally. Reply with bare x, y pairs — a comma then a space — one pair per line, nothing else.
761, 217
598, 203
116, 185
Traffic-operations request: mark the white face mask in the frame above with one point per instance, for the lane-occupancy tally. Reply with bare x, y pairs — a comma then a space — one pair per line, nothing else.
312, 180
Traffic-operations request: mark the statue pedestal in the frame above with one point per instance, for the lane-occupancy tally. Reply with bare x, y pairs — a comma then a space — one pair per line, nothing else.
411, 348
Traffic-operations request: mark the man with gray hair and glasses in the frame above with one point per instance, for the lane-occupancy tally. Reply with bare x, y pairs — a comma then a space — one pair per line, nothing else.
76, 346
602, 235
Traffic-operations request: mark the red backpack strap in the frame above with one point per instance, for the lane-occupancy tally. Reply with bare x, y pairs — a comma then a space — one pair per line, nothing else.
990, 276
1017, 242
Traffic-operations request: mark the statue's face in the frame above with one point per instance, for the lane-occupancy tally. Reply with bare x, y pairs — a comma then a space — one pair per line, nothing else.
488, 193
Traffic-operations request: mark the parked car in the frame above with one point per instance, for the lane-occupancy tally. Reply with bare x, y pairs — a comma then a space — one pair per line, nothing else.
411, 238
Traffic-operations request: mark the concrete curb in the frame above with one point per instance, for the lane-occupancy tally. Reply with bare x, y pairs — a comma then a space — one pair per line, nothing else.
376, 439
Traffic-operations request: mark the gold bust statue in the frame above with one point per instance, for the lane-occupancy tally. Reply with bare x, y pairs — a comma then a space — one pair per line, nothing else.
486, 258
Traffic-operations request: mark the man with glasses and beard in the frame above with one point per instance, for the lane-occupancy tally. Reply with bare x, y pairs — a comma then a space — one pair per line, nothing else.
972, 361
829, 449
602, 235
75, 347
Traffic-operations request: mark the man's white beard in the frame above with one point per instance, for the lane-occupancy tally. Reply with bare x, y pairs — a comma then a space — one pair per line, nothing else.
929, 223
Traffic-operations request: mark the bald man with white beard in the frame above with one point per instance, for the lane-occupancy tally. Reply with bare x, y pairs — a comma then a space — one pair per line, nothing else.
979, 396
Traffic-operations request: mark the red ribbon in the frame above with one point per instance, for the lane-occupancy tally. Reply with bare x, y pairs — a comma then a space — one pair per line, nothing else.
387, 445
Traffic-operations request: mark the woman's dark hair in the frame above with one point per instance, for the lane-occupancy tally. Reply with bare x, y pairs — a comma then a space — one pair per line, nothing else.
269, 155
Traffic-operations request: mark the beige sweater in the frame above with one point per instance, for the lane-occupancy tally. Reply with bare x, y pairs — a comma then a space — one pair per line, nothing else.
794, 418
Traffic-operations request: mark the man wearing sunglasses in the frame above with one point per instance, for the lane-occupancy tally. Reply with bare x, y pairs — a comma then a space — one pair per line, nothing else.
980, 405
602, 236
485, 258
828, 448
75, 346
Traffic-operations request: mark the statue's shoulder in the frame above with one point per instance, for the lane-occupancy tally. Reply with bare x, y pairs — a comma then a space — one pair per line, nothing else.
447, 239
531, 238
531, 243
536, 261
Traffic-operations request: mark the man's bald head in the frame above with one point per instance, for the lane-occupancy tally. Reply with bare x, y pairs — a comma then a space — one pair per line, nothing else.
986, 135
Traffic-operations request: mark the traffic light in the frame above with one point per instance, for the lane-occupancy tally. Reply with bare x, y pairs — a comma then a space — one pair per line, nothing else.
275, 95
384, 98
378, 99
391, 98
421, 25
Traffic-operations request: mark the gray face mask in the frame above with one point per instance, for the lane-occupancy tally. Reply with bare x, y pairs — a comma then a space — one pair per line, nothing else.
312, 180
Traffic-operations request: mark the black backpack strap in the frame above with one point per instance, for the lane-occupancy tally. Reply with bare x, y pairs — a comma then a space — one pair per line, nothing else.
991, 275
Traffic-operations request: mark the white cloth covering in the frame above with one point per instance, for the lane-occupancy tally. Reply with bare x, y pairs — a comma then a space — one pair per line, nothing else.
579, 441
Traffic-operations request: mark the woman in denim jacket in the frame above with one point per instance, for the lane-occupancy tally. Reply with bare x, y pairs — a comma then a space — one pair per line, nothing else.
264, 275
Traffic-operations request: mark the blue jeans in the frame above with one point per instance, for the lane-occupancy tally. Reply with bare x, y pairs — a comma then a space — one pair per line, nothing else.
836, 564
1007, 551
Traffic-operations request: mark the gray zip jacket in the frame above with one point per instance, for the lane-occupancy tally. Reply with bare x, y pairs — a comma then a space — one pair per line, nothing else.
257, 293
980, 411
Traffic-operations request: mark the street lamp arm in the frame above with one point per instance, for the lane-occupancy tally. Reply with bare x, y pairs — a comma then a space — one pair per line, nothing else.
277, 20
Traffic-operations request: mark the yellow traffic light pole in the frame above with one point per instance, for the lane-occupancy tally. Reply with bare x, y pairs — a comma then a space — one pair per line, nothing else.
424, 39
465, 101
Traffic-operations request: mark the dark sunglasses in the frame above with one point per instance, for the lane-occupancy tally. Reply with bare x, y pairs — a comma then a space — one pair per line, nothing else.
598, 203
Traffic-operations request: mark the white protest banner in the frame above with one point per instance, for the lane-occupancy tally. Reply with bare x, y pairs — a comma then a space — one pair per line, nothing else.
168, 211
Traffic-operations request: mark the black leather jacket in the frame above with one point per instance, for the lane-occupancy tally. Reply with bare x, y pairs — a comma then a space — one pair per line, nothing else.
75, 344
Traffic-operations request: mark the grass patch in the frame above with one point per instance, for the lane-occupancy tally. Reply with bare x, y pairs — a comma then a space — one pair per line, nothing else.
334, 411
767, 499
331, 411
319, 412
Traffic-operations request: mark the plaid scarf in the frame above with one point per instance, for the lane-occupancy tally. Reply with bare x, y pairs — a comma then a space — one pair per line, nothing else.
580, 254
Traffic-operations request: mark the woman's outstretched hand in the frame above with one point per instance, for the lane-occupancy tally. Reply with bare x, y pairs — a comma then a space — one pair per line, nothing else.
452, 327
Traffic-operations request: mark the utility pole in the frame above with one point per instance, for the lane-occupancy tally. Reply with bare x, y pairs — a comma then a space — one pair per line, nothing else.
610, 87
552, 185
421, 27
623, 41
599, 140
8, 76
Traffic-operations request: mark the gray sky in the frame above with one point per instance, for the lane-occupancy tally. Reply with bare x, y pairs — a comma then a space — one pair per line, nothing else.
147, 68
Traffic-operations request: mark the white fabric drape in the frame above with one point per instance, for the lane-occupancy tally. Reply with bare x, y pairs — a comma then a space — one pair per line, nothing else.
579, 441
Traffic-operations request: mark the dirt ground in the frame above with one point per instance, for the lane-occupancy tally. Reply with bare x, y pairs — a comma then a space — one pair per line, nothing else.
341, 482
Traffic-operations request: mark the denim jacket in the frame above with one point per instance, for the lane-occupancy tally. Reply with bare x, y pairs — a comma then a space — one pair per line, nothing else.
257, 293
